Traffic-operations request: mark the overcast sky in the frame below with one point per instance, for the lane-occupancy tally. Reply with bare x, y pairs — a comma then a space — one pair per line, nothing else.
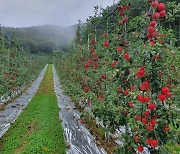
24, 13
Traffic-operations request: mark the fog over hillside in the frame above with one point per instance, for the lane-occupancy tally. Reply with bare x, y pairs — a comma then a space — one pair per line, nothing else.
43, 38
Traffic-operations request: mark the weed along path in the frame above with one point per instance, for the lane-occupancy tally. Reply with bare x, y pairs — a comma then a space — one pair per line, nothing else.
38, 128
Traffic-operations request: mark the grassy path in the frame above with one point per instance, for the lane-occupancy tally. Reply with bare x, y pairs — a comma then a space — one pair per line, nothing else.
38, 129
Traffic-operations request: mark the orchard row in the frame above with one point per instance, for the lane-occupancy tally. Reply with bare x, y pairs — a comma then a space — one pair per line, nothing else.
127, 77
17, 69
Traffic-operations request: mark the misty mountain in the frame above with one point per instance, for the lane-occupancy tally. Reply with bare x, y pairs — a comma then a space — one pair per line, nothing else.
44, 38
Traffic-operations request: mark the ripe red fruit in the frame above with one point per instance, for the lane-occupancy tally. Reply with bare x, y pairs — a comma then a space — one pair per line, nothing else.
101, 97
152, 42
142, 87
168, 94
154, 4
140, 73
154, 34
165, 90
86, 66
167, 128
6, 75
81, 121
144, 121
121, 22
153, 23
126, 92
148, 140
105, 34
127, 7
161, 7
93, 41
132, 87
126, 56
145, 85
119, 90
95, 65
154, 143
146, 114
143, 99
151, 106
106, 44
119, 49
149, 127
162, 97
103, 76
138, 118
156, 56
121, 14
146, 99
137, 139
140, 148
90, 61
162, 13
149, 35
140, 98
135, 34
155, 15
160, 73
126, 112
120, 8
125, 19
155, 116
86, 89
142, 68
89, 101
96, 58
92, 51
130, 104
99, 82
153, 122
151, 30
114, 63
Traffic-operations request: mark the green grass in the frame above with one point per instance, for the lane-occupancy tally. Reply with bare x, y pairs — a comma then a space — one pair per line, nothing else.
38, 129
